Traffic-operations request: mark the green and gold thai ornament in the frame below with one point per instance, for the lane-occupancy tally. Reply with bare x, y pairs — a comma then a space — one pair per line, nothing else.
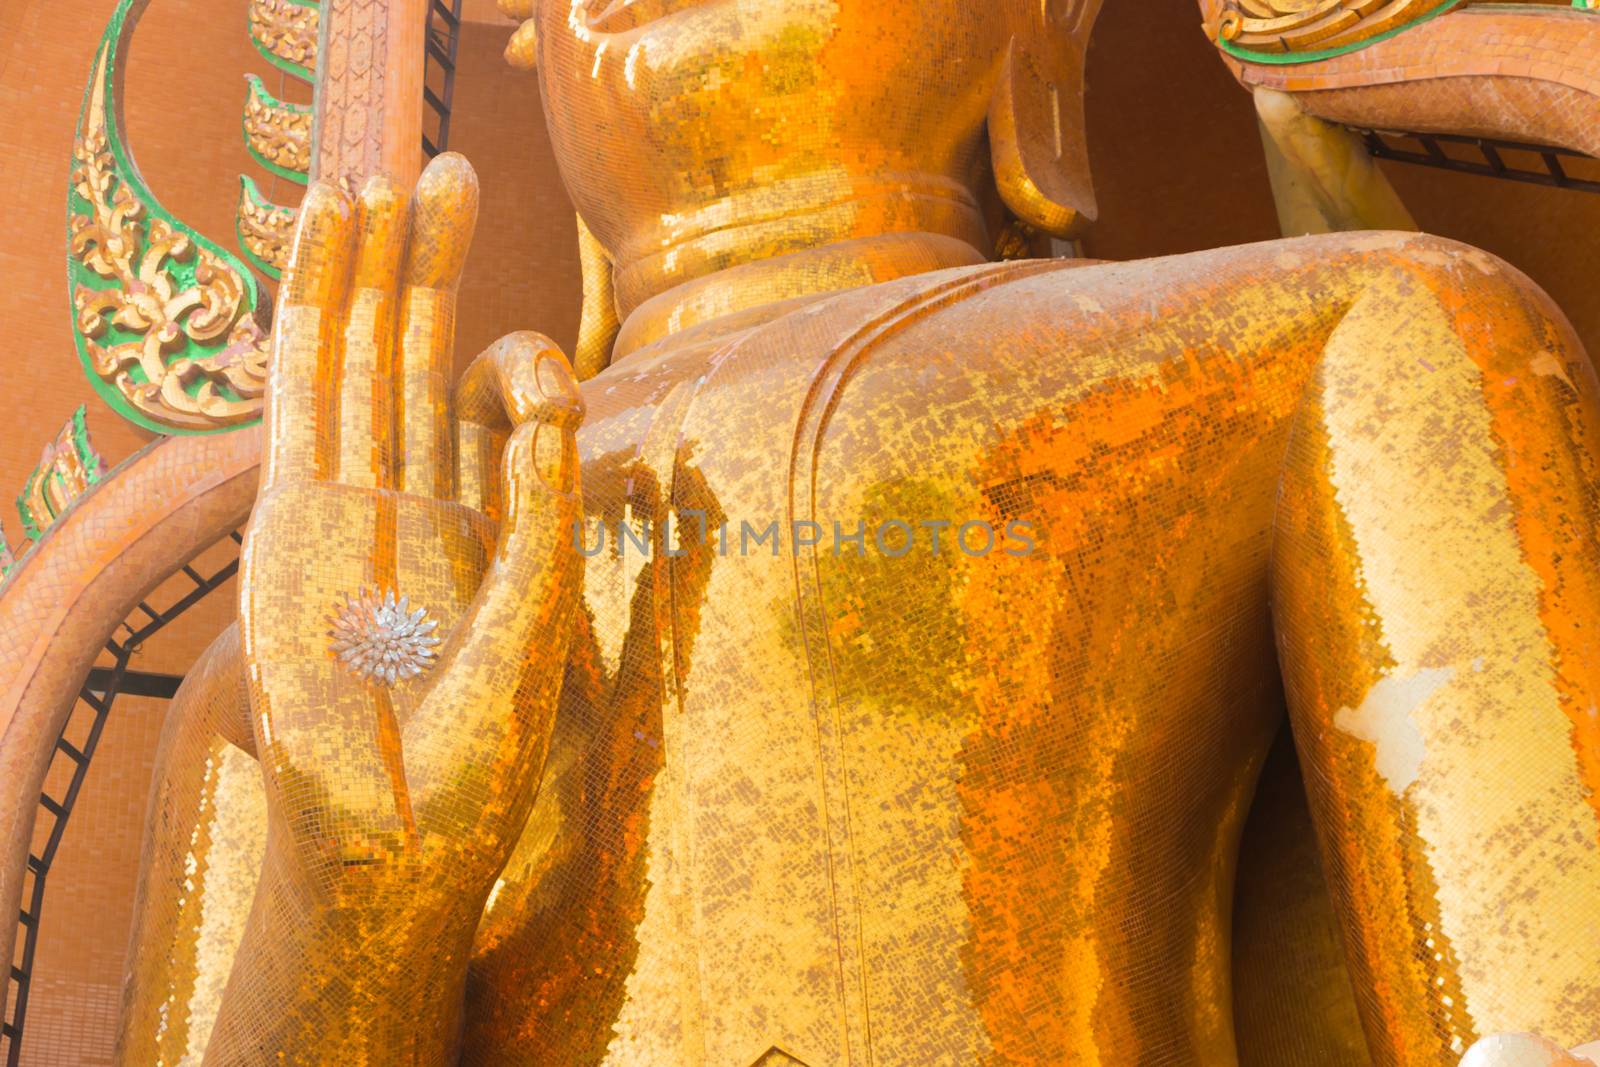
67, 467
164, 319
277, 133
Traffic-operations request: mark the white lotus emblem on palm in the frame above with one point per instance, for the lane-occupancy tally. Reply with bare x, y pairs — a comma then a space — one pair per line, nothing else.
381, 638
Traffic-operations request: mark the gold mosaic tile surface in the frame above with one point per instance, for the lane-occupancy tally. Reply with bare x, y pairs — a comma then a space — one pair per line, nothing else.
952, 769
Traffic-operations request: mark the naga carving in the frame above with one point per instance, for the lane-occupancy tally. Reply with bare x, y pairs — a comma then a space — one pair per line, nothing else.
1305, 30
158, 314
285, 32
1291, 26
264, 229
67, 467
163, 318
278, 134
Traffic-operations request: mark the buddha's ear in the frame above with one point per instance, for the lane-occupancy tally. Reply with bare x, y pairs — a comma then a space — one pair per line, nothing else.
1036, 127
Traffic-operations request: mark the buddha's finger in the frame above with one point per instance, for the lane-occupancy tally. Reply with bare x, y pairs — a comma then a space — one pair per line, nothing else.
475, 747
300, 416
444, 212
497, 392
366, 426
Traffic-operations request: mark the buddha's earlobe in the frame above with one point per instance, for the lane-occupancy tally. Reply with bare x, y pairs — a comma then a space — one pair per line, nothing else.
1036, 137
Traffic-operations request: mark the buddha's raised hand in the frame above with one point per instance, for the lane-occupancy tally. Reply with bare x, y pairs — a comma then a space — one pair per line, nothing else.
403, 661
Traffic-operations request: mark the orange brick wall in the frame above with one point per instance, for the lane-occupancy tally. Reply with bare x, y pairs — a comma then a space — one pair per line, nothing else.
523, 271
1173, 146
77, 987
45, 50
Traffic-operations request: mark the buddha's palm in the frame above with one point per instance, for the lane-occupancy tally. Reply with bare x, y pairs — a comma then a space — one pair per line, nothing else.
403, 665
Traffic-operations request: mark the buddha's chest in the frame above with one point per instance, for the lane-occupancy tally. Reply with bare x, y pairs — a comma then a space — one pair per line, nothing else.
734, 750
835, 741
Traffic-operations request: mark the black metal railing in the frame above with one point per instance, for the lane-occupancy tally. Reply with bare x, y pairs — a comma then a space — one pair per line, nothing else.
1514, 161
100, 690
439, 72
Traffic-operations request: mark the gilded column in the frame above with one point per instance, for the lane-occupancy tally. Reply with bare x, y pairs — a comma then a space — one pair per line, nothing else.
369, 95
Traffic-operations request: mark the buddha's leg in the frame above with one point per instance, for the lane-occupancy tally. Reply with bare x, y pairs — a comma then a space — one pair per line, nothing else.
203, 846
1436, 596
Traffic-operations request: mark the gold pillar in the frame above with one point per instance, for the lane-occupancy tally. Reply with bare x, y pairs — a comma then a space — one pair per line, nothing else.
369, 92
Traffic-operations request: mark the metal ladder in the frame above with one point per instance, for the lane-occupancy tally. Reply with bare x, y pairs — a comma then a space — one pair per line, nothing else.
439, 68
100, 690
1550, 171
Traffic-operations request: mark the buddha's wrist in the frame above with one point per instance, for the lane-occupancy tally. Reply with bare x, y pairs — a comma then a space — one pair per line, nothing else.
336, 982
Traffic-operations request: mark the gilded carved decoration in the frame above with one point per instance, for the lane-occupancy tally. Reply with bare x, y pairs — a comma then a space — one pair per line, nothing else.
67, 467
162, 316
285, 32
278, 134
1316, 25
1313, 28
352, 93
265, 229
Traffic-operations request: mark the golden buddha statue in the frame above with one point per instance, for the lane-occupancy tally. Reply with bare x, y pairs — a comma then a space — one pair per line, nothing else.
900, 693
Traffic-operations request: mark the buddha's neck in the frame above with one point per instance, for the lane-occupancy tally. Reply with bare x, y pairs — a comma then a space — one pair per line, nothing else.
740, 294
767, 251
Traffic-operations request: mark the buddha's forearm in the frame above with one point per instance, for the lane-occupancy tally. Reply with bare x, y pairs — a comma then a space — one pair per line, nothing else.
365, 981
202, 854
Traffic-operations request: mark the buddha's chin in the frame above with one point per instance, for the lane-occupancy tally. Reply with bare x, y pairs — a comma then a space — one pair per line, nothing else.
620, 16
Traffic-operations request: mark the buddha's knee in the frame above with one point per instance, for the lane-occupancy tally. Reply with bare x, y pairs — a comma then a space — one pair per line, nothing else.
1435, 577
1499, 313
